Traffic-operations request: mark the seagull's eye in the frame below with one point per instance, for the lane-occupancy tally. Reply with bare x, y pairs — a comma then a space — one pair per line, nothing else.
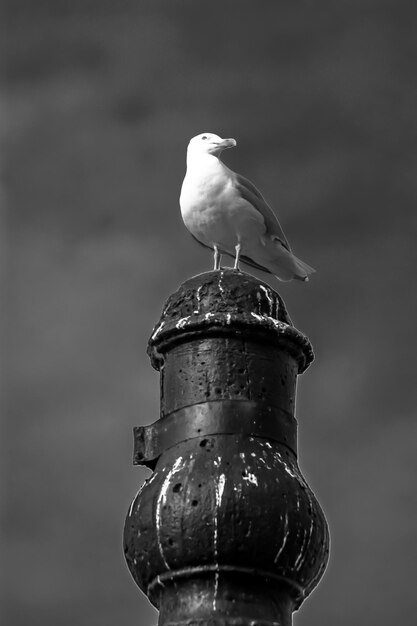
204, 137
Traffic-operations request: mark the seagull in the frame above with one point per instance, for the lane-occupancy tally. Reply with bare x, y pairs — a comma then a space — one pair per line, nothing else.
225, 212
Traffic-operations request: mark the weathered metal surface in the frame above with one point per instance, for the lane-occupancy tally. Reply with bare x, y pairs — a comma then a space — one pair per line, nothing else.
226, 530
227, 368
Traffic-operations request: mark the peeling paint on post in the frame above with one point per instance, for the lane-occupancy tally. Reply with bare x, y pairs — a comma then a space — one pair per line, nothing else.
226, 531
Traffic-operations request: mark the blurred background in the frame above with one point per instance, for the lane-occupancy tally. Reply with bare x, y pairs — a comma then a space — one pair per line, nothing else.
102, 99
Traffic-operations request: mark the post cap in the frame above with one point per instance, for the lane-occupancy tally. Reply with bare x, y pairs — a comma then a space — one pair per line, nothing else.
227, 302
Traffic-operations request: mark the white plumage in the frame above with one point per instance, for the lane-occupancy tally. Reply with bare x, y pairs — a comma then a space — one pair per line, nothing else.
225, 211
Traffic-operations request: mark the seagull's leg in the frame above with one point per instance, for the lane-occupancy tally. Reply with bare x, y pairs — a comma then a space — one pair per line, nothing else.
217, 257
237, 248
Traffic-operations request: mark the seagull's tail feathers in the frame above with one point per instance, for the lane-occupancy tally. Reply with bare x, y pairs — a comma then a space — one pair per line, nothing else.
281, 262
289, 267
303, 270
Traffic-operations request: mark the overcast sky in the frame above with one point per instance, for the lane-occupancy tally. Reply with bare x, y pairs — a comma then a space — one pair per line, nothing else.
103, 98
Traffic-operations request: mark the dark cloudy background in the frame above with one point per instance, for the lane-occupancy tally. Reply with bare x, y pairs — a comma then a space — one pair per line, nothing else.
103, 97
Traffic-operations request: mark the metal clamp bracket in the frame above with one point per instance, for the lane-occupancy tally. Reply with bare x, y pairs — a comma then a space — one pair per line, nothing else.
237, 417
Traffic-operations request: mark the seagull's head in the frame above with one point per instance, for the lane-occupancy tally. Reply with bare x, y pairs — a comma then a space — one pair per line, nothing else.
209, 143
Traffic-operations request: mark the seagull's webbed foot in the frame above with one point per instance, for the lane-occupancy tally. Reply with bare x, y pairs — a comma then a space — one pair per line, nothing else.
236, 265
217, 258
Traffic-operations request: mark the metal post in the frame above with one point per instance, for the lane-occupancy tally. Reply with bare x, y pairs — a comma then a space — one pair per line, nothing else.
226, 531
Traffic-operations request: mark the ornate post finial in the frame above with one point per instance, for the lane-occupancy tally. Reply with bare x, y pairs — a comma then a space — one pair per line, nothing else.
226, 530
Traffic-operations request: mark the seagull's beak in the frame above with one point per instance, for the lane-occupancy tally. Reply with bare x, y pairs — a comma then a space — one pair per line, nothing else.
227, 143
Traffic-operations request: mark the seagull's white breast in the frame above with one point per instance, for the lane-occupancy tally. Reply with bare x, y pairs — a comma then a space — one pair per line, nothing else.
212, 208
206, 200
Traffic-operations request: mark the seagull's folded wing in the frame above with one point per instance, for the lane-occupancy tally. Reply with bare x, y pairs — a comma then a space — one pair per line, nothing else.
251, 194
